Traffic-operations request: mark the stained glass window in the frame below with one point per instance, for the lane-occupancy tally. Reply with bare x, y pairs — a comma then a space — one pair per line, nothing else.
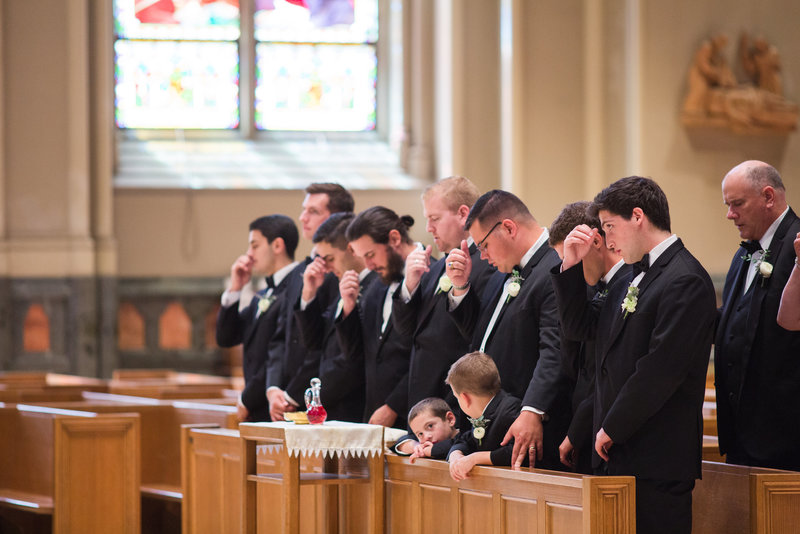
177, 64
316, 64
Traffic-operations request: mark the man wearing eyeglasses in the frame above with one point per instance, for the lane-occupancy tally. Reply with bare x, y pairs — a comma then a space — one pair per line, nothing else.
515, 320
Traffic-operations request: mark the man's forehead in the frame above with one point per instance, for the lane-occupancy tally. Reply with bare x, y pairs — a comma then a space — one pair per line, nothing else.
316, 200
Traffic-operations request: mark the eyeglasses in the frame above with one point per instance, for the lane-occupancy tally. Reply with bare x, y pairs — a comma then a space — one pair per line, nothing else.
481, 246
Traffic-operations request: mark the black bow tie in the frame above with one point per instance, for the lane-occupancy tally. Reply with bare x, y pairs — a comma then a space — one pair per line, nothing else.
270, 282
599, 287
750, 246
641, 266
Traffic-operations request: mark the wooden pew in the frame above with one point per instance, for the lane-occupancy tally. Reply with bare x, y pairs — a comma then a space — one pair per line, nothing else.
710, 418
60, 468
711, 449
422, 497
213, 487
34, 386
167, 384
734, 498
160, 433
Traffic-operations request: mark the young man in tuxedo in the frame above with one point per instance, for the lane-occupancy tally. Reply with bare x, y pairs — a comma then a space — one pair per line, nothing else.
756, 361
420, 307
515, 320
602, 267
272, 242
342, 380
285, 381
653, 339
380, 237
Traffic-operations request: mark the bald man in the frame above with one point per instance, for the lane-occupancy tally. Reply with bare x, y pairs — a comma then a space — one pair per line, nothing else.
756, 361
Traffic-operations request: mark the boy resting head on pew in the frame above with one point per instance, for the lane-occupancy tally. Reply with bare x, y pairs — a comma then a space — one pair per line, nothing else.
433, 423
475, 382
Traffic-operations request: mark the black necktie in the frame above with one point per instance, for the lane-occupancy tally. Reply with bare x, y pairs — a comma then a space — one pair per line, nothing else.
641, 266
750, 246
270, 282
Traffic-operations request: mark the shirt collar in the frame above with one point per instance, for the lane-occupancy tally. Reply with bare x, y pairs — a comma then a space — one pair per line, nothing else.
659, 249
766, 239
612, 271
281, 273
531, 251
363, 274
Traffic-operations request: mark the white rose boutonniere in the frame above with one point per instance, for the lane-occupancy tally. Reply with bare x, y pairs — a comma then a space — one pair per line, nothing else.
445, 284
514, 285
479, 427
765, 269
630, 300
263, 304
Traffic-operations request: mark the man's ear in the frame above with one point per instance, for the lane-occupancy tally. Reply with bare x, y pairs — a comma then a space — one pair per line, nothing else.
395, 239
637, 215
278, 245
510, 226
463, 212
769, 195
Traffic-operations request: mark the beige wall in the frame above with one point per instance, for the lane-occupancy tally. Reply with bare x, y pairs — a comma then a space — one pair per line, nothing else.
201, 233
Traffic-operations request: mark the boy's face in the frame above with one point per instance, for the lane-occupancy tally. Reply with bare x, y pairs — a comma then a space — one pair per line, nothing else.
429, 427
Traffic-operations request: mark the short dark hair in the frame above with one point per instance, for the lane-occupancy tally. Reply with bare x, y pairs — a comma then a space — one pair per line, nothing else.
495, 206
333, 229
474, 373
438, 407
376, 222
339, 198
275, 226
631, 192
572, 215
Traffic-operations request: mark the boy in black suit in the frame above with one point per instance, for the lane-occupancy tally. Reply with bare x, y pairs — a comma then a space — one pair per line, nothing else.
475, 382
433, 424
653, 336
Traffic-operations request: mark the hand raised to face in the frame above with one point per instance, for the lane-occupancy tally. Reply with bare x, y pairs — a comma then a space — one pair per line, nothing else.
459, 266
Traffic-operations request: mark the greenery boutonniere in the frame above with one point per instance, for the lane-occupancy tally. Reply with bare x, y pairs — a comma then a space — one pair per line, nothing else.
445, 284
514, 285
630, 300
263, 304
479, 427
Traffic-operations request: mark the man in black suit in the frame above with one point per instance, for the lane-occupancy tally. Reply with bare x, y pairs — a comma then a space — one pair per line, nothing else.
285, 380
756, 360
273, 240
602, 267
515, 320
342, 379
366, 333
653, 338
420, 307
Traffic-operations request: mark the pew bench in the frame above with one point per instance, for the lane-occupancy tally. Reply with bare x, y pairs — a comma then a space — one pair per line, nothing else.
66, 465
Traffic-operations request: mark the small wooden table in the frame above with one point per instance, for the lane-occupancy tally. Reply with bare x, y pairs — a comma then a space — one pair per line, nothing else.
290, 477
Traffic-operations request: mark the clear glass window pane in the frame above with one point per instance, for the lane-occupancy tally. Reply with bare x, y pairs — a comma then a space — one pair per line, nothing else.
315, 87
177, 19
317, 21
165, 84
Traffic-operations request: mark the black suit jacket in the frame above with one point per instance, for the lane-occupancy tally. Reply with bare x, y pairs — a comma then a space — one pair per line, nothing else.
383, 355
758, 393
651, 364
342, 378
254, 331
501, 412
287, 355
578, 357
525, 344
436, 341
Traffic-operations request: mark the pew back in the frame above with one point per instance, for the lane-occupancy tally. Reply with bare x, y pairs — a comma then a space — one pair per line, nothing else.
70, 465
